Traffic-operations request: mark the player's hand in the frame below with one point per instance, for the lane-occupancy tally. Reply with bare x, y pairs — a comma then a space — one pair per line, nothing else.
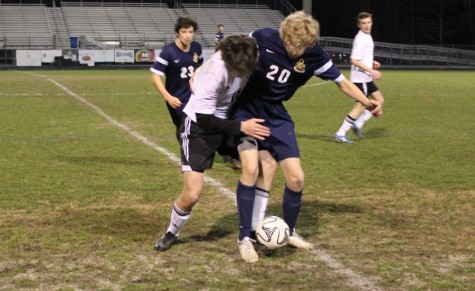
376, 74
376, 65
252, 127
375, 108
174, 102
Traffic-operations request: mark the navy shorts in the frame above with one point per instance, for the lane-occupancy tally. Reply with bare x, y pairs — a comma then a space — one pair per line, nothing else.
282, 142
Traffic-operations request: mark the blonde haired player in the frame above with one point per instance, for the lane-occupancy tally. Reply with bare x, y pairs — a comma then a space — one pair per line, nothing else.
288, 58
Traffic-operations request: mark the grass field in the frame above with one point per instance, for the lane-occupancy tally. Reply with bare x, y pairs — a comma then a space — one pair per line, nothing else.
89, 171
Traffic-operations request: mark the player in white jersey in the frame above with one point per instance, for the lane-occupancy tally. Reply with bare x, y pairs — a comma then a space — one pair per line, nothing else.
215, 87
363, 70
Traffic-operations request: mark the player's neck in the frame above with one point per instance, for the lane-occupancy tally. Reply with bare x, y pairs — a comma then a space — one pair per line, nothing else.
181, 45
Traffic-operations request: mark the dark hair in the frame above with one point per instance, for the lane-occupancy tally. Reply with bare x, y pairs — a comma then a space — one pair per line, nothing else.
239, 53
185, 22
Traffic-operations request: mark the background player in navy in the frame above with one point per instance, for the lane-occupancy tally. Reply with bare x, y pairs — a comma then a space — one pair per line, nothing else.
177, 62
288, 58
215, 87
219, 37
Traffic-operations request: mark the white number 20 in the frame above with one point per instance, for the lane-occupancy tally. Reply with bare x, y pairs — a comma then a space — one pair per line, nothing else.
283, 76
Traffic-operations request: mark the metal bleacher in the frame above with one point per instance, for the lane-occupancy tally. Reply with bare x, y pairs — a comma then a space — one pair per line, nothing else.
109, 25
117, 26
25, 26
236, 20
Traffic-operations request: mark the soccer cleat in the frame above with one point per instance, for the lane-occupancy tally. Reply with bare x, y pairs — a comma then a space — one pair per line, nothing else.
234, 163
166, 242
247, 251
358, 131
342, 139
297, 241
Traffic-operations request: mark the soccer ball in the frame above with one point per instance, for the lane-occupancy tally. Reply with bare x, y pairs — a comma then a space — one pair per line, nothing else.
272, 232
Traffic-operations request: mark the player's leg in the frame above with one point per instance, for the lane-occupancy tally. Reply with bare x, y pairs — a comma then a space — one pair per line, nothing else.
192, 188
245, 194
374, 93
350, 118
267, 168
292, 199
197, 153
348, 122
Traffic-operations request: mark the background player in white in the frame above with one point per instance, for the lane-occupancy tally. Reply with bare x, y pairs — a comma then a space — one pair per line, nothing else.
215, 87
177, 62
363, 70
288, 58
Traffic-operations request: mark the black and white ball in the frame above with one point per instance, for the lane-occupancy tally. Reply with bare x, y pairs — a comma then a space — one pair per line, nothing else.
272, 232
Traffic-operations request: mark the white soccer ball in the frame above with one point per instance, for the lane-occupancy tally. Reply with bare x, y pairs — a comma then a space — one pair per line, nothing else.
272, 232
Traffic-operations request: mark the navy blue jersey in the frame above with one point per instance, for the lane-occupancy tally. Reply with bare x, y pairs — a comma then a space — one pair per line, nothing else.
275, 81
219, 36
178, 66
278, 76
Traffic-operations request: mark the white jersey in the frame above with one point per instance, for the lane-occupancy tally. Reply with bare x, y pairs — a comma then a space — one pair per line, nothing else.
363, 50
214, 90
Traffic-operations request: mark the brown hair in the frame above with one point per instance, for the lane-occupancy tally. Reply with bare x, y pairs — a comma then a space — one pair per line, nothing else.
239, 53
185, 22
363, 15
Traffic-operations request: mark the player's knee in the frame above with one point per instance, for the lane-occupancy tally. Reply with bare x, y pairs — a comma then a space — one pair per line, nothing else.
249, 174
189, 198
295, 181
250, 166
269, 164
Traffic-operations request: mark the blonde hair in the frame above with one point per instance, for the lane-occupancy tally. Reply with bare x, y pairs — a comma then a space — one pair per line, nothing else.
299, 31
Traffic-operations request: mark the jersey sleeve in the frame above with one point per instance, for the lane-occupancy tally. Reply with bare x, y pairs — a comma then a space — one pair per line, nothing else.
325, 69
357, 49
161, 63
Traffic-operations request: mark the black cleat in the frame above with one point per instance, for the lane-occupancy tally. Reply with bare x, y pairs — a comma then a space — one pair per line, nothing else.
166, 242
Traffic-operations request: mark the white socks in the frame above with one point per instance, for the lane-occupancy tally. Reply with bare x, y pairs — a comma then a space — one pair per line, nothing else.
178, 219
365, 116
259, 208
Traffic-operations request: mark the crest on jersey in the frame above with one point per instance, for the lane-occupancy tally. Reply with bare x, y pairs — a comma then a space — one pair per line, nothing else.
195, 57
300, 66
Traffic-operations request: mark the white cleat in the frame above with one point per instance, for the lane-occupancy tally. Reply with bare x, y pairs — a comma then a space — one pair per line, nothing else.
247, 251
297, 241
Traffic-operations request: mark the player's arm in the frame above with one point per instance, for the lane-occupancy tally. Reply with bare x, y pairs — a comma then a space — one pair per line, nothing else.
250, 127
375, 73
158, 84
351, 90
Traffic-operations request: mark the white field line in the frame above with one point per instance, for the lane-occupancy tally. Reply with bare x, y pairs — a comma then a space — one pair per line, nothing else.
354, 279
95, 94
142, 138
316, 84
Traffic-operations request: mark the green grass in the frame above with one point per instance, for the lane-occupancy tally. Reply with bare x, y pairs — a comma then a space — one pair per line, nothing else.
82, 201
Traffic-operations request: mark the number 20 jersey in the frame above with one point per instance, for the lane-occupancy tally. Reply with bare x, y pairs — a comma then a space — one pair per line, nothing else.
278, 76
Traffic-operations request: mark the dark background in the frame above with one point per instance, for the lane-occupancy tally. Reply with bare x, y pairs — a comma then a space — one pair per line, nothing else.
448, 23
